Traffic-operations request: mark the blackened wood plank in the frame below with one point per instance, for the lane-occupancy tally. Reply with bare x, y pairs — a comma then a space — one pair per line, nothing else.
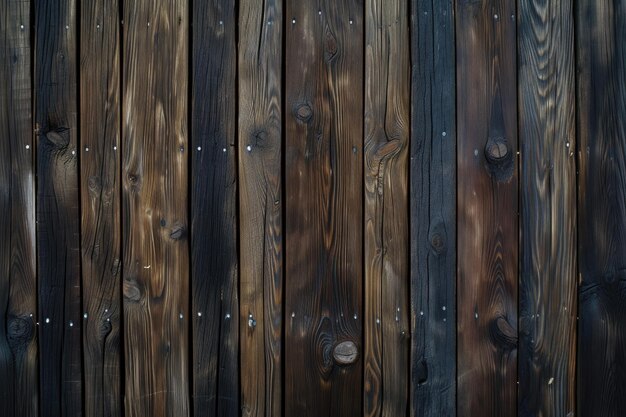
324, 208
548, 282
100, 126
386, 223
433, 210
18, 291
214, 269
487, 208
155, 207
601, 52
58, 212
260, 142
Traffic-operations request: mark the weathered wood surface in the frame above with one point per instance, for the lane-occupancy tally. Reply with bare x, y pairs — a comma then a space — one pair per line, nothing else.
260, 206
58, 213
101, 232
386, 262
433, 210
487, 208
547, 285
18, 291
601, 52
324, 207
155, 208
214, 270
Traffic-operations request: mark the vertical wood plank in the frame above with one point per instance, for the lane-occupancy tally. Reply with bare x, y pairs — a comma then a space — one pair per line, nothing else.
386, 227
324, 208
260, 209
155, 205
433, 210
214, 269
547, 372
18, 290
100, 126
487, 208
601, 53
58, 212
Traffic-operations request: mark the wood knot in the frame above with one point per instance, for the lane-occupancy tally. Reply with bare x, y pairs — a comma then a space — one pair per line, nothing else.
437, 236
178, 233
105, 328
496, 149
503, 334
421, 371
20, 331
131, 290
59, 137
330, 46
345, 353
304, 112
499, 158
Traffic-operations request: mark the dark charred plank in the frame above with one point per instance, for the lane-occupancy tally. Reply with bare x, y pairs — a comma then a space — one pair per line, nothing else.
324, 206
58, 212
214, 269
260, 208
547, 292
487, 208
386, 223
601, 96
155, 208
18, 290
100, 189
433, 210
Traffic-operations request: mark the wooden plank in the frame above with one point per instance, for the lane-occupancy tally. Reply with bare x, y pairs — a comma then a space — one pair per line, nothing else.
18, 288
547, 310
324, 208
433, 210
214, 210
260, 208
58, 213
487, 208
101, 233
386, 124
601, 48
155, 206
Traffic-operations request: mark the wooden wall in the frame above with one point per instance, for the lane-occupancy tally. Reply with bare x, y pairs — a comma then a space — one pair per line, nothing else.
314, 208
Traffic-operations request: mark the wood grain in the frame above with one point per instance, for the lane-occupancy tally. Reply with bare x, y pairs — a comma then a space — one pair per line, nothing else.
433, 210
324, 206
18, 290
260, 208
100, 189
601, 48
58, 212
487, 208
386, 124
214, 267
155, 208
547, 309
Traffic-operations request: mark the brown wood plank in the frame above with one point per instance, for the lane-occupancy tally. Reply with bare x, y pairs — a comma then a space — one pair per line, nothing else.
260, 208
214, 269
155, 207
487, 208
386, 223
324, 208
433, 210
100, 126
58, 212
547, 373
601, 52
18, 290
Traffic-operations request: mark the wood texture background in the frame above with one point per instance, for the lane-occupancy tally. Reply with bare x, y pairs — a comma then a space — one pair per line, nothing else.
312, 208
